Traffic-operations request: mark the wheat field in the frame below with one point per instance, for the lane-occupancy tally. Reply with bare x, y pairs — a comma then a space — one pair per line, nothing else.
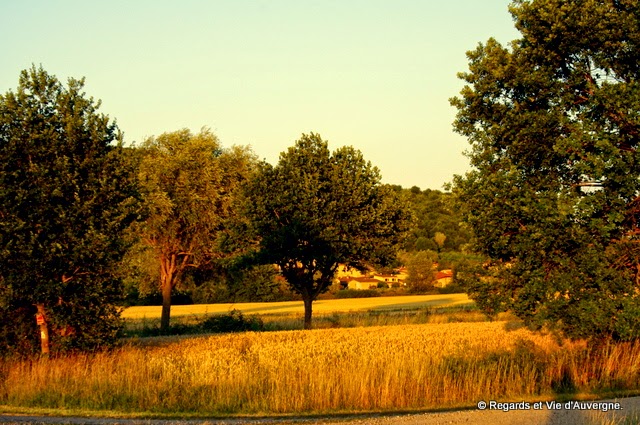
327, 370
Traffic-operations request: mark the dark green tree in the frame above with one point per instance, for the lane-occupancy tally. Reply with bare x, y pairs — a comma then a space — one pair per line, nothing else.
553, 196
66, 196
316, 209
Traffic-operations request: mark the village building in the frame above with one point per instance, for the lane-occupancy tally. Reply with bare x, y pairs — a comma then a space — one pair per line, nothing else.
443, 278
361, 283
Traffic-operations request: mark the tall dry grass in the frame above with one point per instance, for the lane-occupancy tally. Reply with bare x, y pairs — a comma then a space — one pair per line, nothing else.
326, 370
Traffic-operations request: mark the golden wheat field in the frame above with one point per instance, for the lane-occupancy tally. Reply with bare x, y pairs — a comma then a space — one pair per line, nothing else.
297, 307
325, 370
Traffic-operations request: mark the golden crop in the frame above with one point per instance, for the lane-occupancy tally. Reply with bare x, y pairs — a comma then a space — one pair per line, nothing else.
354, 369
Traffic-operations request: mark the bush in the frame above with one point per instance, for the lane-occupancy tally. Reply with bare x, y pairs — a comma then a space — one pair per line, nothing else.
18, 331
234, 321
357, 293
452, 288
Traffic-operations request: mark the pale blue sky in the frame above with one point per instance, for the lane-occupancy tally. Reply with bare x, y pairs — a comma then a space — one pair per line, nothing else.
376, 75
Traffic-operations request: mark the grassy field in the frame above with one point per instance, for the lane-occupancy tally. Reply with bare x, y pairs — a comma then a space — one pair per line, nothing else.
411, 302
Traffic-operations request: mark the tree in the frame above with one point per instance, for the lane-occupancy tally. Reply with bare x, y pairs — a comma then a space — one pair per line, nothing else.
189, 182
439, 239
553, 195
315, 210
66, 196
421, 267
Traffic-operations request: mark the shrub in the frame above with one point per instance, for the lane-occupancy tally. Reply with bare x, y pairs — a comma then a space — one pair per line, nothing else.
357, 293
234, 321
452, 288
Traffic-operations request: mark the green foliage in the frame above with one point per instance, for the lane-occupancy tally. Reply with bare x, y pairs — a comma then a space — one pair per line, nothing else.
18, 329
233, 321
189, 183
467, 269
452, 288
66, 197
437, 217
238, 283
554, 124
439, 239
260, 283
421, 270
317, 209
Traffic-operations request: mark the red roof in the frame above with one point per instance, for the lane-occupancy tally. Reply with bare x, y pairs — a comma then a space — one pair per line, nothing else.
443, 274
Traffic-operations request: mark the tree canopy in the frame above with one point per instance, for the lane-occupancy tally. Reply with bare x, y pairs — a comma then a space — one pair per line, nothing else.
317, 209
421, 269
435, 213
553, 197
66, 196
188, 182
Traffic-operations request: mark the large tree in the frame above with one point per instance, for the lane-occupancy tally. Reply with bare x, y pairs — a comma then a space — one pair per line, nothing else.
188, 181
317, 209
553, 196
66, 196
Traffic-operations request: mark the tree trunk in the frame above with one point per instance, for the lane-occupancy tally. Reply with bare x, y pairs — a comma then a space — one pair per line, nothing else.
171, 267
307, 311
166, 303
44, 329
167, 271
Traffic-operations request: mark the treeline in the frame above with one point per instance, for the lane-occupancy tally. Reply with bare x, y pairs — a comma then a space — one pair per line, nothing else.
438, 222
88, 225
437, 239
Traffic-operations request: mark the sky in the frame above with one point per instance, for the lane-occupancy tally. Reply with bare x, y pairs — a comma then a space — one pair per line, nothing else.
376, 75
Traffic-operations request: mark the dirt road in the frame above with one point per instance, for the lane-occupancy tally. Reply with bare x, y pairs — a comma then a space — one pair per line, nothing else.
583, 413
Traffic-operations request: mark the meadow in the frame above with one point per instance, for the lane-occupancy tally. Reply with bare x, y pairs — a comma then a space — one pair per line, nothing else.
409, 302
275, 316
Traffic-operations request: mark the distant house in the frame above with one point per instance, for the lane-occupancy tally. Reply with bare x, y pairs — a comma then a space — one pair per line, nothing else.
360, 283
443, 278
402, 273
383, 277
389, 279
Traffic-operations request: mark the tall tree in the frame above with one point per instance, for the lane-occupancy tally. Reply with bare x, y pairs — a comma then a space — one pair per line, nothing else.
553, 196
316, 209
189, 182
66, 195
